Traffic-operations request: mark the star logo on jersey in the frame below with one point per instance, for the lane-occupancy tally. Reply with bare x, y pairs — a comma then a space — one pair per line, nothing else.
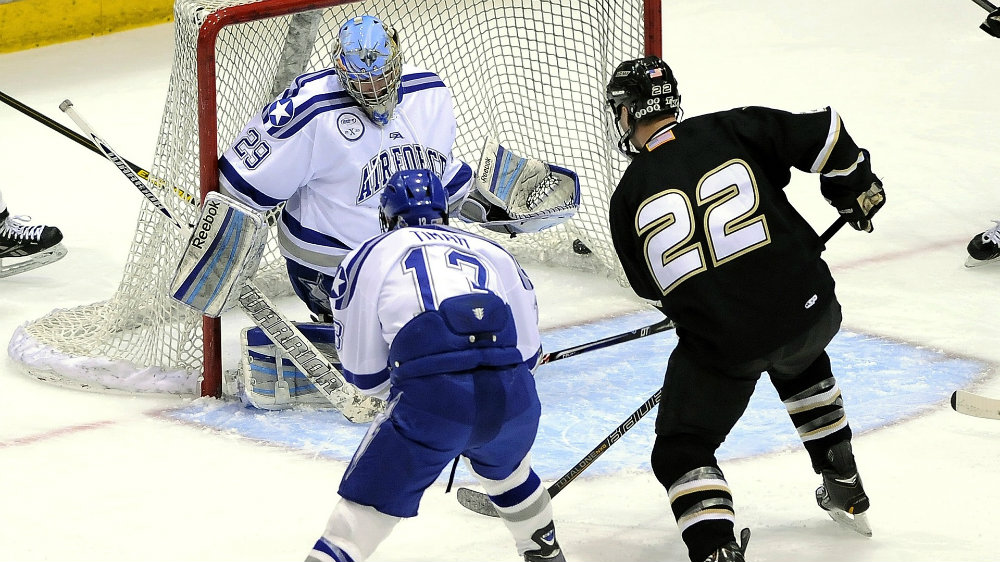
279, 112
339, 284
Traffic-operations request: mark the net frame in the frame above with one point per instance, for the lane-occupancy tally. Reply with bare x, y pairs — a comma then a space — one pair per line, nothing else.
82, 347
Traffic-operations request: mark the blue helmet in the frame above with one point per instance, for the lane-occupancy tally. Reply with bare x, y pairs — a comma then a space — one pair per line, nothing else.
368, 61
412, 198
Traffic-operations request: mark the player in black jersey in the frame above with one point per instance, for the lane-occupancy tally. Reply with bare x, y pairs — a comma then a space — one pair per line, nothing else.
703, 228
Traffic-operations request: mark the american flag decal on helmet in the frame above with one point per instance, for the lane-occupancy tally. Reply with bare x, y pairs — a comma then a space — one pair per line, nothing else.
655, 73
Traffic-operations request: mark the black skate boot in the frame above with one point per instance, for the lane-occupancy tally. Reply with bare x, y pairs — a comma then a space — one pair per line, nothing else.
984, 248
731, 551
842, 495
40, 244
548, 550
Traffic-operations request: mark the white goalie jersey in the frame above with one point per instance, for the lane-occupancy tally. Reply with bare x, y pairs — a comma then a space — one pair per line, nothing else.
315, 149
389, 280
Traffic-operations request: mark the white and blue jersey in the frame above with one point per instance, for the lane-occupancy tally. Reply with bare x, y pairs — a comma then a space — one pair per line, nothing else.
315, 149
446, 324
382, 285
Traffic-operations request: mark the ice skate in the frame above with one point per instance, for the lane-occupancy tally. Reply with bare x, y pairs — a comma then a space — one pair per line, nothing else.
842, 495
548, 550
24, 246
731, 551
984, 248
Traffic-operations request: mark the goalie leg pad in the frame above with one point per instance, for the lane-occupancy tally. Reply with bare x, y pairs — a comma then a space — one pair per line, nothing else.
270, 379
223, 252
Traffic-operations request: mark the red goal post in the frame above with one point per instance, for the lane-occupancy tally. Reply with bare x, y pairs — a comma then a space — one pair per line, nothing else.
530, 72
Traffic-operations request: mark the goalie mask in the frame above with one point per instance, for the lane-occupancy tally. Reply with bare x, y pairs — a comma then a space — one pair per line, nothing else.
368, 61
412, 198
647, 88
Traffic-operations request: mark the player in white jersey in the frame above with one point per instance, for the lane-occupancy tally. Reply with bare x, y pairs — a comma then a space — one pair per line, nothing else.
331, 140
445, 324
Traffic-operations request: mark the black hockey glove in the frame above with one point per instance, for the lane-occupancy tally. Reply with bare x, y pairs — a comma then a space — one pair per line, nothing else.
859, 209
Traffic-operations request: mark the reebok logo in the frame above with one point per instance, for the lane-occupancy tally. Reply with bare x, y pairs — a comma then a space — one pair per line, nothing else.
198, 241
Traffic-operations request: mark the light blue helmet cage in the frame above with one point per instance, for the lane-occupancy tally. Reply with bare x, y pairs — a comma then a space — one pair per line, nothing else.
369, 64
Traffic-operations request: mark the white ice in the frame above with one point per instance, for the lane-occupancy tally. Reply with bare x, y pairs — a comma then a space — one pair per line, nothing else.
103, 477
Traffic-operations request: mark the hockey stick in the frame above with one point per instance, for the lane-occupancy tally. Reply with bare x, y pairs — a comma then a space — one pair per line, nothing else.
481, 503
661, 326
976, 405
319, 370
992, 23
67, 107
84, 142
985, 4
832, 229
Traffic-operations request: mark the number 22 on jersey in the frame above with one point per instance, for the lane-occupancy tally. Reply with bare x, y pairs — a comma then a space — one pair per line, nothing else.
733, 226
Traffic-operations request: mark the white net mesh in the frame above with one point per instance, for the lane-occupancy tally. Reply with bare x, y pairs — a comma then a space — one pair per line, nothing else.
530, 72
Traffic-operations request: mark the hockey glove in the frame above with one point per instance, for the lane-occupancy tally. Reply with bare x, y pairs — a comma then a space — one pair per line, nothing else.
858, 209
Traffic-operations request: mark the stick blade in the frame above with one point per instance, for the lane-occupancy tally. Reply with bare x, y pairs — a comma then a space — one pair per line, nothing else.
476, 501
970, 404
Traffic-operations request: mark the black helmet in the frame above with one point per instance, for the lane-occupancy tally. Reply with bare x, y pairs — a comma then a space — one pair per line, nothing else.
646, 87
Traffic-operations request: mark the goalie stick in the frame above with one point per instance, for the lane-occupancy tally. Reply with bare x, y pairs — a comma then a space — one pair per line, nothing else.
976, 405
322, 373
481, 503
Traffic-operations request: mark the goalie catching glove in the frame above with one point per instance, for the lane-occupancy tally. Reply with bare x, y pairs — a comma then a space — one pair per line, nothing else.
515, 195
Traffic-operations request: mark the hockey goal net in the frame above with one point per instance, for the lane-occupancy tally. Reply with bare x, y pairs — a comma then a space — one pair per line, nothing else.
529, 72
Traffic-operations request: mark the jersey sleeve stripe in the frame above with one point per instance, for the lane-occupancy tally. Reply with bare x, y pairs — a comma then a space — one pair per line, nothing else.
459, 180
309, 235
305, 79
351, 272
244, 187
367, 381
314, 106
409, 89
846, 171
832, 136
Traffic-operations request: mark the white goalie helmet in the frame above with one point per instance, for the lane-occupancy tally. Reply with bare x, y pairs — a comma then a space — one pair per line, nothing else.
368, 60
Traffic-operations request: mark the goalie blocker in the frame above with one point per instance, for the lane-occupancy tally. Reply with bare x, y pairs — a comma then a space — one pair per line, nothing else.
221, 256
515, 195
214, 274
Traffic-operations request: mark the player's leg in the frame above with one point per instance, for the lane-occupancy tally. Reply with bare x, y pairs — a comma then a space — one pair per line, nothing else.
403, 453
313, 288
352, 533
803, 377
699, 406
499, 458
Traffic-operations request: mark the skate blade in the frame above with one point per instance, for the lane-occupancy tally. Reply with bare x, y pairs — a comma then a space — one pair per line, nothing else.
51, 255
973, 262
857, 523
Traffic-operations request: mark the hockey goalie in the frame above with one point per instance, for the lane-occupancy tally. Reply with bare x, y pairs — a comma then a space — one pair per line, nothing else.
512, 195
